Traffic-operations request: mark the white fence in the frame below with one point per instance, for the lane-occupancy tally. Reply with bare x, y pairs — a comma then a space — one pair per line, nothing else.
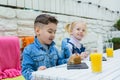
19, 21
69, 7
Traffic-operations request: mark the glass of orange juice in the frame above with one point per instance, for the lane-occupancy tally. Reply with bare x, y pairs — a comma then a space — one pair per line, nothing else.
109, 50
96, 62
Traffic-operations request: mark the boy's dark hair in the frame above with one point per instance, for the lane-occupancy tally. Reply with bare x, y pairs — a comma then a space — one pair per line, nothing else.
45, 19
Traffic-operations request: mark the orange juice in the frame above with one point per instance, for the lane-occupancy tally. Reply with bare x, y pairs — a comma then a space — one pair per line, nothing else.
109, 52
96, 62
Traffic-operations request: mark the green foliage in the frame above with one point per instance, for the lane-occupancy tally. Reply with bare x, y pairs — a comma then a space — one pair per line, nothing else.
116, 43
117, 24
116, 40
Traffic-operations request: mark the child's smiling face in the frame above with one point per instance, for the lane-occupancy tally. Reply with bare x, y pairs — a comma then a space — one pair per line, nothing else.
47, 33
79, 31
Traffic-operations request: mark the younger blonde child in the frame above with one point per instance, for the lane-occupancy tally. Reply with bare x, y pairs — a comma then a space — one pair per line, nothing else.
77, 31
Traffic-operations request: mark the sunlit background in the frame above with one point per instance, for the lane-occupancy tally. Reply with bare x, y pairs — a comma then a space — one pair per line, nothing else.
17, 18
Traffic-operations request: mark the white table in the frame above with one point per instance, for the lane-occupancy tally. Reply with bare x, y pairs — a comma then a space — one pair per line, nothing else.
110, 71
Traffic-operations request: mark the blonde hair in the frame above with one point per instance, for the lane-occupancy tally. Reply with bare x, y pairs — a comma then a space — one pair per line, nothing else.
69, 27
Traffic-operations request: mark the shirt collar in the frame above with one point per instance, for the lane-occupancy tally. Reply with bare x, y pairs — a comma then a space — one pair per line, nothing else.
75, 41
39, 45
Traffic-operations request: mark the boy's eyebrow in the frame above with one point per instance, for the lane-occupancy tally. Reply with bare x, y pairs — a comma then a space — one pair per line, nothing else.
51, 29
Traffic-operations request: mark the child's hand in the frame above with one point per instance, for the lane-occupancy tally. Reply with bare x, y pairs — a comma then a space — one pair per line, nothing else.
75, 59
42, 68
84, 55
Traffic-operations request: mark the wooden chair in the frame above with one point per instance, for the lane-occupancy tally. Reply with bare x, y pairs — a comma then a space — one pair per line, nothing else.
26, 40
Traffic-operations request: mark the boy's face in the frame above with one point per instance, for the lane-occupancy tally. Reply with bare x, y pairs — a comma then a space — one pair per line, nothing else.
47, 33
79, 31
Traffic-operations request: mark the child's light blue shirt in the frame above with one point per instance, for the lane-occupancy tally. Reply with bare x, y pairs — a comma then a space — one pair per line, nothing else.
68, 48
35, 55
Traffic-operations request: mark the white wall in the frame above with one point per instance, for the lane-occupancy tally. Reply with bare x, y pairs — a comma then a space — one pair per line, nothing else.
111, 4
19, 22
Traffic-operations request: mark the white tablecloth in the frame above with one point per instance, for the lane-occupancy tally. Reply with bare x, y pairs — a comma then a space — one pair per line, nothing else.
110, 71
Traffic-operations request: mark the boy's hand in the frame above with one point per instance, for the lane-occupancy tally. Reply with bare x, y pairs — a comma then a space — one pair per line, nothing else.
42, 68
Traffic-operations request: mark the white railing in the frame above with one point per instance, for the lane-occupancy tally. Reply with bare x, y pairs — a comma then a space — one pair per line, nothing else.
69, 7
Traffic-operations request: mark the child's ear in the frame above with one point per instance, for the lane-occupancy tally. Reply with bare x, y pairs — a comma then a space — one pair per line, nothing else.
37, 30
